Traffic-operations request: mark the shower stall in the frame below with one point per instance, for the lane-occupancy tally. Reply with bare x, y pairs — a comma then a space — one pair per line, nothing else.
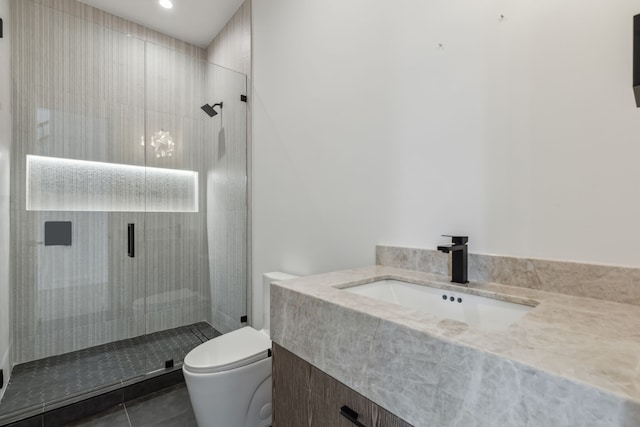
128, 202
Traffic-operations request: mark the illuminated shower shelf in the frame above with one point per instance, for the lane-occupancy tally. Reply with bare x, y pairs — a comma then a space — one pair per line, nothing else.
55, 184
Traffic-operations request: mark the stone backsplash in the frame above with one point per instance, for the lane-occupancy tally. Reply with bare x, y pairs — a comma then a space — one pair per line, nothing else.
610, 283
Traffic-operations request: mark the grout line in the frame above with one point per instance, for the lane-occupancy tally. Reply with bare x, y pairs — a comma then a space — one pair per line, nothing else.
124, 405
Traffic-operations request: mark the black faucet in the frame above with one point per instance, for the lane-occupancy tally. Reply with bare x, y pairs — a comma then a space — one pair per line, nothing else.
458, 249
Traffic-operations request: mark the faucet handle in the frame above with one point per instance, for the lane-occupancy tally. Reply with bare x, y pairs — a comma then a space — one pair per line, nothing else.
457, 240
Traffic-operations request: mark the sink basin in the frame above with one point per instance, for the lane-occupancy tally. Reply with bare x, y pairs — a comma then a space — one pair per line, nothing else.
476, 311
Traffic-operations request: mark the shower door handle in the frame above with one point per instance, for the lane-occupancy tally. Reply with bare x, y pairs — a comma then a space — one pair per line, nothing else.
131, 242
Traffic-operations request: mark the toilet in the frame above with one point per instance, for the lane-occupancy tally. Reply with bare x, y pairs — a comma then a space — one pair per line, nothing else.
229, 377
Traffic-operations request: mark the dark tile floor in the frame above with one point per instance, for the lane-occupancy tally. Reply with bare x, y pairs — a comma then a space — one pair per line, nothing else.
37, 384
166, 408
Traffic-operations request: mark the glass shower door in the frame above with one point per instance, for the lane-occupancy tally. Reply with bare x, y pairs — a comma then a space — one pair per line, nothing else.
128, 209
77, 183
128, 200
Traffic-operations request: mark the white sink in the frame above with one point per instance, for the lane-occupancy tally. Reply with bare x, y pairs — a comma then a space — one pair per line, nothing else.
476, 311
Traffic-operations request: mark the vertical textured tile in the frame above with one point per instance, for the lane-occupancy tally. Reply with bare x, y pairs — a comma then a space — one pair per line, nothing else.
69, 95
176, 269
231, 48
116, 23
194, 275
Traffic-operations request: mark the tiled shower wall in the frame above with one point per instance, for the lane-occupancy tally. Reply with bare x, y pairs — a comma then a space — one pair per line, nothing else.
83, 91
176, 274
231, 48
76, 88
113, 22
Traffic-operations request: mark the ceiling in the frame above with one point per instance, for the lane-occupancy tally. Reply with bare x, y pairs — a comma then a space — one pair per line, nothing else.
194, 21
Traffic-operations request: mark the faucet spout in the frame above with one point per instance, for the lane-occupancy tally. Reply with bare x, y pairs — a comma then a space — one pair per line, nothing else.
451, 248
459, 256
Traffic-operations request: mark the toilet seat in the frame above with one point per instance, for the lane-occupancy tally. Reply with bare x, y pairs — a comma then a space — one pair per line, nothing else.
229, 351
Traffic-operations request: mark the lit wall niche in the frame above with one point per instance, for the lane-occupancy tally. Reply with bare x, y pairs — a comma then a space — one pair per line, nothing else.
55, 184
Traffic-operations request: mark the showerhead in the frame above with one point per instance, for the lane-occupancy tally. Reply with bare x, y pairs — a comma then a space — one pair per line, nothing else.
209, 109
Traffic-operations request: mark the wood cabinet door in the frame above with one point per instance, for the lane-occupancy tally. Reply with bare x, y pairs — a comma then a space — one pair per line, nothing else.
303, 396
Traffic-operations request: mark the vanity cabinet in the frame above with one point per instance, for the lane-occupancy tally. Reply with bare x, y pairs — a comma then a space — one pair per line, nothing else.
304, 396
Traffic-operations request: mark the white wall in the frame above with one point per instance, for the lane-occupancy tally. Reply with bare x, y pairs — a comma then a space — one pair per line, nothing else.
395, 122
5, 145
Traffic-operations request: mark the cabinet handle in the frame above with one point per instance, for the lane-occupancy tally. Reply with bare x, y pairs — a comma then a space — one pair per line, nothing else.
131, 244
351, 415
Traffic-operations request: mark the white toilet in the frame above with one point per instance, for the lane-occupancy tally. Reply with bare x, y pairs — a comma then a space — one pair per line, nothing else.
229, 377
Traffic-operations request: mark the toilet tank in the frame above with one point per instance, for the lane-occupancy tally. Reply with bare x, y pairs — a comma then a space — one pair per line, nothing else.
267, 278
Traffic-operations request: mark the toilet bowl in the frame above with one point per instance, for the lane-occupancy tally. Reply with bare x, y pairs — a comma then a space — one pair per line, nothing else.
229, 377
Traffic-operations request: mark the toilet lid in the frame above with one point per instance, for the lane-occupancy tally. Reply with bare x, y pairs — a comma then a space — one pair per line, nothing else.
229, 351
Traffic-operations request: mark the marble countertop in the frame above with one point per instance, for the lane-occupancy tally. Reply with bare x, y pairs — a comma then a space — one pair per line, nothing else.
590, 344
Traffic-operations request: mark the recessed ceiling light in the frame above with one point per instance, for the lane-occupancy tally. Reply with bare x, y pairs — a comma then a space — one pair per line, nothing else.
166, 4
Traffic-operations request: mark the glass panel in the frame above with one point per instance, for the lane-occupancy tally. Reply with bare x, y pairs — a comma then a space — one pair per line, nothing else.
225, 193
78, 102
